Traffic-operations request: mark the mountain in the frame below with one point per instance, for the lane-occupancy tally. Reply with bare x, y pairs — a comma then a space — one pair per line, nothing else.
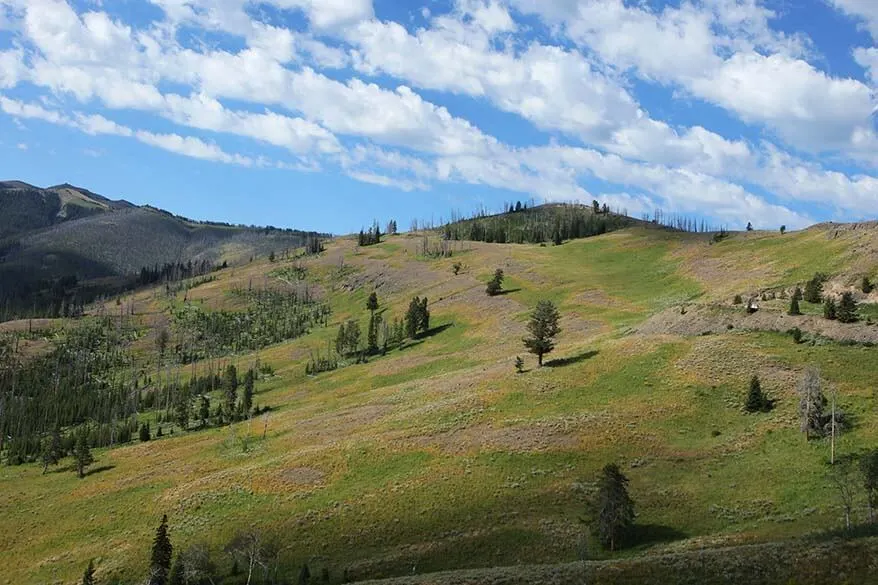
68, 239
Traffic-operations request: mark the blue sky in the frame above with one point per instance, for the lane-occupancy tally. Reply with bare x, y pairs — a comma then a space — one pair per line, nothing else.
325, 114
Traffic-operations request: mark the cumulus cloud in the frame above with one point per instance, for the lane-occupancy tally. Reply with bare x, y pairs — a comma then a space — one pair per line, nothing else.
348, 95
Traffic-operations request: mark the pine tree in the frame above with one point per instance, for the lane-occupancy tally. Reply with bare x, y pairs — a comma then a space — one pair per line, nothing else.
144, 432
519, 364
543, 328
304, 575
829, 309
230, 384
372, 302
50, 452
341, 340
847, 308
160, 560
249, 385
783, 229
814, 288
81, 453
612, 510
749, 227
794, 303
495, 285
88, 578
757, 401
177, 576
372, 334
203, 409
182, 409
424, 316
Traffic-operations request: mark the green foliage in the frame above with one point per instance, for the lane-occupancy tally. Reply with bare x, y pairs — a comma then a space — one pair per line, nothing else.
847, 308
177, 576
814, 288
794, 302
611, 510
417, 318
162, 551
230, 387
144, 433
456, 268
495, 285
249, 384
536, 225
304, 575
82, 456
370, 237
51, 451
319, 363
811, 404
797, 334
829, 309
866, 285
372, 302
783, 229
869, 472
270, 317
88, 577
757, 401
543, 328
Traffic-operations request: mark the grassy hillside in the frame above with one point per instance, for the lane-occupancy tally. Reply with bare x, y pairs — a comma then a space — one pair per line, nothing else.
440, 456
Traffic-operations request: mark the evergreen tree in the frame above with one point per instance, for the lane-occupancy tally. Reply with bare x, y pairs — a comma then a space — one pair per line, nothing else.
230, 384
88, 578
847, 308
81, 453
50, 452
177, 576
814, 288
543, 328
182, 409
162, 551
783, 229
341, 340
372, 335
495, 285
749, 227
757, 401
794, 302
204, 409
424, 316
372, 302
352, 336
304, 575
519, 364
612, 510
866, 285
144, 432
249, 386
829, 309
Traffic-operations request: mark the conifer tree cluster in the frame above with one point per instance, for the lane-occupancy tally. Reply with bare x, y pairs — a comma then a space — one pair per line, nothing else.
370, 236
814, 288
417, 318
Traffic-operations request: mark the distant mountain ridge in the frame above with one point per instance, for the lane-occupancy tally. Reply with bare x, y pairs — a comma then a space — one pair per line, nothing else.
69, 234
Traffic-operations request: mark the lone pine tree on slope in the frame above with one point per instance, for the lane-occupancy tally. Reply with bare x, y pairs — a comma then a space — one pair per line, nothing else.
543, 328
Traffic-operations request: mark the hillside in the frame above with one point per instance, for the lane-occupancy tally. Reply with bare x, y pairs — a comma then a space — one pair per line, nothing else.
68, 242
440, 456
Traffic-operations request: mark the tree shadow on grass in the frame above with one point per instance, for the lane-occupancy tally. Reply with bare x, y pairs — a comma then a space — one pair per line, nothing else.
507, 291
646, 534
100, 469
422, 337
569, 361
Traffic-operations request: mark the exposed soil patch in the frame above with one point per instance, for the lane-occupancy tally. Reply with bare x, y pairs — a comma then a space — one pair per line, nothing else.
302, 476
698, 320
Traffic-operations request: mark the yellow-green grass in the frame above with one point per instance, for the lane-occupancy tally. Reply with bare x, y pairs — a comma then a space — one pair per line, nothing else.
440, 455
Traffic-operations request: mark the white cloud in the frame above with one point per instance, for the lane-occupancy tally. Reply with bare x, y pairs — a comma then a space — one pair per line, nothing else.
11, 68
21, 146
868, 60
864, 10
192, 147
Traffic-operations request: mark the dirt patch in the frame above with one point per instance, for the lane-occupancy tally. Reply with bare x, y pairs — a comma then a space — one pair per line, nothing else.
700, 320
302, 476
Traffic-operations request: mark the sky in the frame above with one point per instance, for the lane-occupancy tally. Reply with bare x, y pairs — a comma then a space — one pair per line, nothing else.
327, 114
